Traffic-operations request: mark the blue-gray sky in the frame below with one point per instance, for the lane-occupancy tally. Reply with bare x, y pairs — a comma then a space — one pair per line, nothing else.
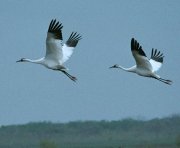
31, 93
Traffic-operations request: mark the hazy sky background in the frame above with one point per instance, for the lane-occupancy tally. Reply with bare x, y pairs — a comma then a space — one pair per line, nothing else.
32, 93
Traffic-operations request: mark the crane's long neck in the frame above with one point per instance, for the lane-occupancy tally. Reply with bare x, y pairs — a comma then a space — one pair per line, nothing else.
38, 61
131, 69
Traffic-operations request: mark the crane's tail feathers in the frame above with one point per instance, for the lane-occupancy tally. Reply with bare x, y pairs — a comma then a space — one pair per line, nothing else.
169, 82
70, 76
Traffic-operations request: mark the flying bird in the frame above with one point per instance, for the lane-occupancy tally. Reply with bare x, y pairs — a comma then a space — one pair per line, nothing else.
144, 66
57, 52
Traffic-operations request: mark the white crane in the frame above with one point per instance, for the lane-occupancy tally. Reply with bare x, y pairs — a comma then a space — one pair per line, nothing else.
56, 52
144, 66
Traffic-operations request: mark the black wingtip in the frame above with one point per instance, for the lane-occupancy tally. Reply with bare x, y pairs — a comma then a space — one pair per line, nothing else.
55, 28
73, 39
157, 55
132, 43
76, 36
135, 46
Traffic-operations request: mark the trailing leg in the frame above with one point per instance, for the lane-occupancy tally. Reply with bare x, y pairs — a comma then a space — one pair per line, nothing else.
169, 82
70, 76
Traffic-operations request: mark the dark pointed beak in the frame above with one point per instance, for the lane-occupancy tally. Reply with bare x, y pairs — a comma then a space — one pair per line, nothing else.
111, 67
18, 61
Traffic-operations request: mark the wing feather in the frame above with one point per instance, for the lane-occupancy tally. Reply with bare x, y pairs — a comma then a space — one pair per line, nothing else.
54, 41
156, 59
139, 55
69, 46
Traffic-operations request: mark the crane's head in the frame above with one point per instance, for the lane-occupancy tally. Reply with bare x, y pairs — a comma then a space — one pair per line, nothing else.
115, 66
21, 60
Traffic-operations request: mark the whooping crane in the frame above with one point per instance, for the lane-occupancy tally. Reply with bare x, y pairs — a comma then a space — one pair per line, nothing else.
144, 66
56, 52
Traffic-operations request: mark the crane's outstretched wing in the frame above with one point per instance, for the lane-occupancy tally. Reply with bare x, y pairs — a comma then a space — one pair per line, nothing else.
139, 55
54, 41
156, 60
70, 44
